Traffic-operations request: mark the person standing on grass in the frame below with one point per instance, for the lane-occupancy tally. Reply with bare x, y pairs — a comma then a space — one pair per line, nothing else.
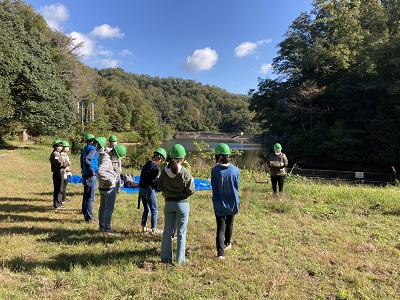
277, 163
116, 161
176, 184
107, 184
225, 179
57, 165
147, 189
89, 166
65, 173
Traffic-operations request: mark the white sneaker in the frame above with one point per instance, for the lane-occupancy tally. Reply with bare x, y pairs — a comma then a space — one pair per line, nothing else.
221, 257
156, 231
228, 247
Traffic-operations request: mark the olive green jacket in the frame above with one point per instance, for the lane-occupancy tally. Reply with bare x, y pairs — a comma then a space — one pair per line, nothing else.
277, 171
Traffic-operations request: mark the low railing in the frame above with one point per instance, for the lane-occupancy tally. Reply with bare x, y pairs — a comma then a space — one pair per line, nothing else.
347, 176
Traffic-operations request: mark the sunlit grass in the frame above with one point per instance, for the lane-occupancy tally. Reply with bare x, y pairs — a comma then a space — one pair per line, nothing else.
321, 242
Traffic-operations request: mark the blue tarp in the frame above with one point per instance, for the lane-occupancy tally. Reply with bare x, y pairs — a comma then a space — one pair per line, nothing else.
199, 184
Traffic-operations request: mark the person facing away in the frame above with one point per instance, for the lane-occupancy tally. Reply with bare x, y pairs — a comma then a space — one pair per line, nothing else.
176, 184
186, 165
147, 189
89, 166
277, 163
65, 173
107, 184
225, 179
57, 165
116, 161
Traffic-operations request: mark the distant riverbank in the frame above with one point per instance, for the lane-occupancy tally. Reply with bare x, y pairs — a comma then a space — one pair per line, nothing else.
219, 136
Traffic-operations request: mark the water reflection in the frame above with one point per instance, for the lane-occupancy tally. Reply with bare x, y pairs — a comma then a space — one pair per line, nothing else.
253, 153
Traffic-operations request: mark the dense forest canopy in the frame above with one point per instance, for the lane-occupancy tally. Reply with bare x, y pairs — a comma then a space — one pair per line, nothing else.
338, 85
43, 87
335, 96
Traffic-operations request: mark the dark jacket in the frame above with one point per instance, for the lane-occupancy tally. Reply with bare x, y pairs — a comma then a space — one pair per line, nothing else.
149, 175
56, 161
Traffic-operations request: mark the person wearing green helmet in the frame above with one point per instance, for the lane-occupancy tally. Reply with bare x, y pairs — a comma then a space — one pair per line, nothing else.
116, 160
65, 173
108, 179
276, 165
225, 179
89, 167
177, 185
57, 165
147, 190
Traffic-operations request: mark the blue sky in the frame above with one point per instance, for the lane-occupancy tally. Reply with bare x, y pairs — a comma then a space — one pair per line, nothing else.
224, 43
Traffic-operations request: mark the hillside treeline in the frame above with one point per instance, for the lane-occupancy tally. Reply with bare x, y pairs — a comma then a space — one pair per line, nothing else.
47, 90
337, 94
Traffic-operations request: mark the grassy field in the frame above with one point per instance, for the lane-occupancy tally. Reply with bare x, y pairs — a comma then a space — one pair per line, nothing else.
320, 242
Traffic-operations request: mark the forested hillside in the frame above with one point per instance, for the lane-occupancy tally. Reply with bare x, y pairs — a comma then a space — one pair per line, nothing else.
45, 88
337, 94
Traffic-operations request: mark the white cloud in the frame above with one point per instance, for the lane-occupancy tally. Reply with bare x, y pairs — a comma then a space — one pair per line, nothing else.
105, 31
265, 68
125, 52
110, 63
202, 59
247, 48
102, 51
88, 45
55, 15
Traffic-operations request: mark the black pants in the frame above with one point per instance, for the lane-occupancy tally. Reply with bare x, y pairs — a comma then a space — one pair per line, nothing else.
224, 232
277, 180
57, 196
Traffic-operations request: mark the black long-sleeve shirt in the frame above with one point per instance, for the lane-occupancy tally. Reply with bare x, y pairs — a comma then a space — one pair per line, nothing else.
149, 175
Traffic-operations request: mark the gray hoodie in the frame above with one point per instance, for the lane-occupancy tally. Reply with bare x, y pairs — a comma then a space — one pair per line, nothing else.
107, 176
176, 187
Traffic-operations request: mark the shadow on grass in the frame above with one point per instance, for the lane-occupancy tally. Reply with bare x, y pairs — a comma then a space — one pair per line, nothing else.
21, 207
24, 218
392, 213
17, 199
66, 262
5, 146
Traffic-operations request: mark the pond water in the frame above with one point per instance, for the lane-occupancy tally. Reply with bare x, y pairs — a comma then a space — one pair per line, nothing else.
253, 152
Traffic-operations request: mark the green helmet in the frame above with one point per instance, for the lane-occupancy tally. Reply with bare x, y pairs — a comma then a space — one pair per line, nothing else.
177, 151
162, 152
112, 138
101, 140
120, 150
56, 142
277, 146
65, 144
222, 149
89, 136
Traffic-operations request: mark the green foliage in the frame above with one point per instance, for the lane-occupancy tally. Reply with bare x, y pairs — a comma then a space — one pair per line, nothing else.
337, 87
33, 94
177, 104
42, 82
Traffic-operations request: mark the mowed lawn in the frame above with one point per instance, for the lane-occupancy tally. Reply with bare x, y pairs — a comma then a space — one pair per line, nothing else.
320, 242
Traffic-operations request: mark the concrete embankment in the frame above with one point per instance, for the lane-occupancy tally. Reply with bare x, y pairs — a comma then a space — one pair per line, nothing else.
218, 136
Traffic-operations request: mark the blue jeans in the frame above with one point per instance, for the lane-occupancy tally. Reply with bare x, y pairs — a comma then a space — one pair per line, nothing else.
149, 201
106, 209
89, 190
179, 212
